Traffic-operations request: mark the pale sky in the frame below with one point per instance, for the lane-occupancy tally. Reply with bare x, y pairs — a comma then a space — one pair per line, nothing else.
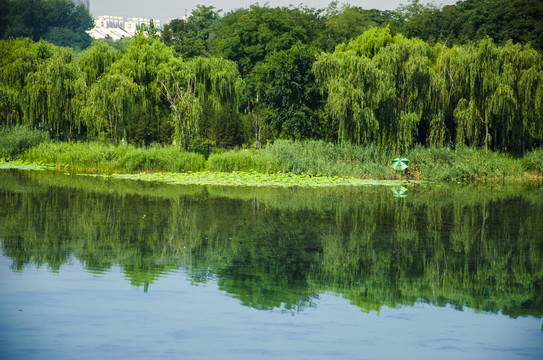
164, 10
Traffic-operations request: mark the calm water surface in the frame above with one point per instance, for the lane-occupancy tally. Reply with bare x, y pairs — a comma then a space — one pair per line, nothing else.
93, 268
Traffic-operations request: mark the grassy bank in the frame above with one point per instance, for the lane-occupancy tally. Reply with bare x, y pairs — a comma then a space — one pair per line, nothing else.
96, 157
312, 158
345, 160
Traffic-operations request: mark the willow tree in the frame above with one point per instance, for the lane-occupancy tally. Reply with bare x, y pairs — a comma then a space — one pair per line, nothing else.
378, 88
177, 84
187, 86
110, 103
18, 59
140, 61
55, 95
440, 125
517, 101
500, 95
356, 88
407, 63
531, 100
96, 60
355, 85
478, 74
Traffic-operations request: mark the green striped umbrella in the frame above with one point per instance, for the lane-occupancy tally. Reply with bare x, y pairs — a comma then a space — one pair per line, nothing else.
399, 163
399, 191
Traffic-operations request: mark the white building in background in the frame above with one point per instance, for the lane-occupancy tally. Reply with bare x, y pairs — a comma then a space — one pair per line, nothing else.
116, 28
131, 24
109, 22
109, 28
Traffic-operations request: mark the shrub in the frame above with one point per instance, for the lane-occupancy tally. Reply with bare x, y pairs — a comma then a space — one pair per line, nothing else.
16, 140
533, 161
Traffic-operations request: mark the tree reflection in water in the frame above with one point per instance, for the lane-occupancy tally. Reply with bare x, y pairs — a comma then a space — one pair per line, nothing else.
466, 245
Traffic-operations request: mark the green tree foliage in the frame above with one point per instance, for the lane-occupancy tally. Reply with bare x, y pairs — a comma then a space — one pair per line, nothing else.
408, 65
55, 95
379, 87
110, 104
178, 86
288, 94
222, 127
359, 88
345, 23
191, 37
60, 22
140, 61
397, 92
246, 36
501, 20
18, 59
189, 86
96, 61
501, 86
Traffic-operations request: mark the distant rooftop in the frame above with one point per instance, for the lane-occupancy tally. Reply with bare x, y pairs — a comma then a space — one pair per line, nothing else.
115, 27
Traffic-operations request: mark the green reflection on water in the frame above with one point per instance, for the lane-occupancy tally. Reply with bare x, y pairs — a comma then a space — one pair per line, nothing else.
478, 246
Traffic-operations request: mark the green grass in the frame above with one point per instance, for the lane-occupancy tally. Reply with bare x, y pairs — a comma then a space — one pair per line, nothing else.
317, 158
301, 158
463, 164
533, 162
314, 158
97, 157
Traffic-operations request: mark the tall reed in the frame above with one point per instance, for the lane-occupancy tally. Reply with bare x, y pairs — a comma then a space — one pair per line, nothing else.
105, 157
308, 157
312, 158
464, 163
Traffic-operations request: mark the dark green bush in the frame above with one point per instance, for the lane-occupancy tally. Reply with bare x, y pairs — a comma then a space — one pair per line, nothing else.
16, 140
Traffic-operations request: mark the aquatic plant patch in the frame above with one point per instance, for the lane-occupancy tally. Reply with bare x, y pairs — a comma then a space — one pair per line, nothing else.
235, 178
242, 178
23, 165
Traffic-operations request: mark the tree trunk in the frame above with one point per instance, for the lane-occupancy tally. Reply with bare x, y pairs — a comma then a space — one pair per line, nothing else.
115, 130
486, 130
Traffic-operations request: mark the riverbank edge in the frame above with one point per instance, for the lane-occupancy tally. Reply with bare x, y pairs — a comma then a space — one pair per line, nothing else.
246, 178
217, 178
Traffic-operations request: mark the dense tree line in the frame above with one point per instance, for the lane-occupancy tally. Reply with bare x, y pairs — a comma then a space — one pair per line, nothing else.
397, 92
518, 20
253, 75
60, 22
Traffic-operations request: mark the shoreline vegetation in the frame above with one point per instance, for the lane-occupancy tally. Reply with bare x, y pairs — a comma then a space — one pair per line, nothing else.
280, 94
282, 163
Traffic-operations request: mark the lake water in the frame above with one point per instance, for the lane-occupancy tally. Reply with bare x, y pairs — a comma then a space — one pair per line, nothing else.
95, 268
